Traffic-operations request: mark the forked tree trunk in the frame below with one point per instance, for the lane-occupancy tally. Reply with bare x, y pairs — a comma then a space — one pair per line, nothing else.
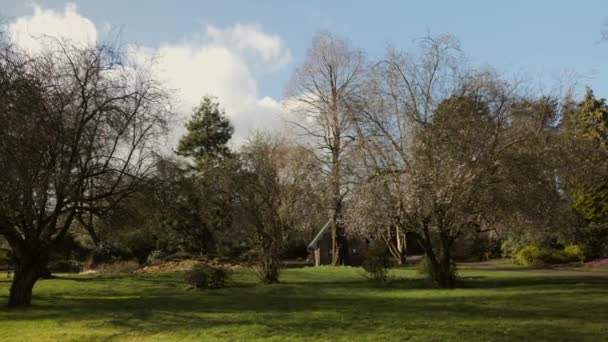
396, 245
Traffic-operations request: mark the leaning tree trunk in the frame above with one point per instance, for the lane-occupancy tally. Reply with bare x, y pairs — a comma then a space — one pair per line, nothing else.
30, 266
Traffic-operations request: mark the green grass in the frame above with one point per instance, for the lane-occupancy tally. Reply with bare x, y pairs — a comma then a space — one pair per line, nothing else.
314, 304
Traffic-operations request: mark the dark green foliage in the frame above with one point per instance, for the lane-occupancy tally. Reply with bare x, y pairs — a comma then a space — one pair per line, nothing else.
594, 237
108, 252
4, 255
377, 263
592, 203
204, 276
589, 120
586, 130
65, 266
295, 249
209, 131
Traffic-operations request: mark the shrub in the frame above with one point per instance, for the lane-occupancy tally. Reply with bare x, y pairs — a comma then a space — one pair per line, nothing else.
528, 256
575, 252
203, 276
537, 256
377, 263
118, 267
551, 256
268, 268
510, 246
595, 239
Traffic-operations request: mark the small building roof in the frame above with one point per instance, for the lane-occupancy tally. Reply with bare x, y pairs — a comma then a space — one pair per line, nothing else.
315, 242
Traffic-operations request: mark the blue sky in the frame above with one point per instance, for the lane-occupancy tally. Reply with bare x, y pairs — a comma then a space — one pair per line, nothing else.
542, 38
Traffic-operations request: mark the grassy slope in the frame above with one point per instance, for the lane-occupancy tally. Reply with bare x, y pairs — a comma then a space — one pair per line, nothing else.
314, 304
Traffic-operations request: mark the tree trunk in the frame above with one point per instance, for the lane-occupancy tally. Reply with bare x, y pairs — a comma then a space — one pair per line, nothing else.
396, 245
338, 243
26, 275
30, 264
446, 277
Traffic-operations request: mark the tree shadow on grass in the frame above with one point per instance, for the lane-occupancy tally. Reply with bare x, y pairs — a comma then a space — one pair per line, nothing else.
320, 309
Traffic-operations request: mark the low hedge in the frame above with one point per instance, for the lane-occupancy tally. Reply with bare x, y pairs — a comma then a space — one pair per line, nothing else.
541, 256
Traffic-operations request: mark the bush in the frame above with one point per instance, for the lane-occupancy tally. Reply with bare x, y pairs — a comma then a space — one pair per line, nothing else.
537, 256
528, 256
203, 276
510, 246
595, 239
575, 252
128, 266
268, 268
377, 263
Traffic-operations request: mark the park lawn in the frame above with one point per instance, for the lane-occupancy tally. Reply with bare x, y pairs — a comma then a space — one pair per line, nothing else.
314, 304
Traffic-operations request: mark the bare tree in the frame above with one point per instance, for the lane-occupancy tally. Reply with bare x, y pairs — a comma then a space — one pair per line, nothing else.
270, 198
402, 92
325, 91
77, 133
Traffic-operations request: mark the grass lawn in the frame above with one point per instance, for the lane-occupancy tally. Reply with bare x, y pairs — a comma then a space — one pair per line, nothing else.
315, 304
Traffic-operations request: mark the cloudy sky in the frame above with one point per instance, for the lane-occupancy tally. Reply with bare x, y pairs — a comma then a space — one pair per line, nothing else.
244, 52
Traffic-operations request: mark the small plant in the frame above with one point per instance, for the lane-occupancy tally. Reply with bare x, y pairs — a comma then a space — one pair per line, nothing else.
377, 263
528, 256
575, 252
510, 246
127, 266
268, 269
203, 276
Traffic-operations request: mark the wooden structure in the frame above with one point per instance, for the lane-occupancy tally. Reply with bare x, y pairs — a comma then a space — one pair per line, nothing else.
321, 248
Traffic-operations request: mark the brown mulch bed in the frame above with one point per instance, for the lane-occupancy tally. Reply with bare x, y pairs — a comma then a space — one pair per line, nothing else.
186, 264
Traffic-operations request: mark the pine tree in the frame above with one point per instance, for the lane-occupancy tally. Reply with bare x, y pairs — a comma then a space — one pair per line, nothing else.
208, 133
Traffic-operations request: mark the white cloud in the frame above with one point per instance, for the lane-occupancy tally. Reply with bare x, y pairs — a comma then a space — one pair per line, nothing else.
30, 31
250, 40
222, 62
